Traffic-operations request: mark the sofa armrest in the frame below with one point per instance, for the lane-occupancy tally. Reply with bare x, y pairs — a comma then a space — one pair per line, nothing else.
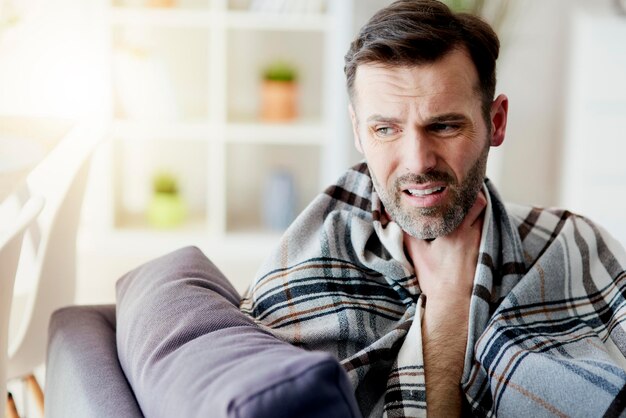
83, 374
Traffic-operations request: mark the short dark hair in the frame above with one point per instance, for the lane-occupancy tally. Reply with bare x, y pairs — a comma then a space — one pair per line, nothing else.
414, 32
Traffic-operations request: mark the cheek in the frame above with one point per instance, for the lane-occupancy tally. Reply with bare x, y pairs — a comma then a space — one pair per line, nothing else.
463, 162
381, 161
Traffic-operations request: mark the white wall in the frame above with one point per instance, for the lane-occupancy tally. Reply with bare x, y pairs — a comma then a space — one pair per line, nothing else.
593, 180
563, 68
531, 72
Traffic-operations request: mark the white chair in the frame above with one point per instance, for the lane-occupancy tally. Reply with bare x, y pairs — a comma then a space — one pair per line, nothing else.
48, 262
10, 246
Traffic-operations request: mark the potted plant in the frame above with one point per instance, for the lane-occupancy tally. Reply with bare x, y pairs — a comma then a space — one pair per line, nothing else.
167, 209
161, 3
279, 92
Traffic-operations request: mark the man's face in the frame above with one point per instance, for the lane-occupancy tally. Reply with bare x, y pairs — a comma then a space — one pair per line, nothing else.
425, 139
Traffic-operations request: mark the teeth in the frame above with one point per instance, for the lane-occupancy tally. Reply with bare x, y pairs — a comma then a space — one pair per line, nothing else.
425, 192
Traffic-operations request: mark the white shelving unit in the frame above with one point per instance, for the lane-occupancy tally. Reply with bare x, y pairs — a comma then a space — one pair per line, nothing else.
185, 84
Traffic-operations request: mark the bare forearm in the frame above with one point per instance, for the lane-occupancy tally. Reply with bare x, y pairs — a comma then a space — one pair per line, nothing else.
445, 338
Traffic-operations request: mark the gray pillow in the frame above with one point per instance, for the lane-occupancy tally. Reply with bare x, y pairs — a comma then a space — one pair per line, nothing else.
188, 351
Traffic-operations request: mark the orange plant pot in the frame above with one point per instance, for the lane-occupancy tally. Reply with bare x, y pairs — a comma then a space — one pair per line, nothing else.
278, 100
161, 3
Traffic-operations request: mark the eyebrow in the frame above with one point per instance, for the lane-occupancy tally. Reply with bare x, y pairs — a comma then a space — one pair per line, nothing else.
381, 118
447, 117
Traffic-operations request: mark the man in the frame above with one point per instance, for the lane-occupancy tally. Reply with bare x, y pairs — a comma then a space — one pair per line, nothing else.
435, 296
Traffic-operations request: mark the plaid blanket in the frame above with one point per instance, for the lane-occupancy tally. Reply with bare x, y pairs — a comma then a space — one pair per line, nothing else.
547, 330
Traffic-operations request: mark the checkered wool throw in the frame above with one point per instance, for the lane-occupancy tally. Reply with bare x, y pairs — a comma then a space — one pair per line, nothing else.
547, 330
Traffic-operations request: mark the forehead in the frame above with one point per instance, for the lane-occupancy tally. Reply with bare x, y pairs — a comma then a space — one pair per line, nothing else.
449, 81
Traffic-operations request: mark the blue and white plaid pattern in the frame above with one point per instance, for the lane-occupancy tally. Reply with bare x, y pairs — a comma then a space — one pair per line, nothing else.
547, 331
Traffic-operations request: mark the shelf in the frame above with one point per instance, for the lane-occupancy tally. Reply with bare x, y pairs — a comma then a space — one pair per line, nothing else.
293, 133
144, 131
138, 222
312, 22
195, 227
174, 17
152, 242
296, 133
187, 18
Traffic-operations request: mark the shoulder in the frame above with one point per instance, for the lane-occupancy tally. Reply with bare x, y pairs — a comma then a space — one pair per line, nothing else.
541, 229
533, 220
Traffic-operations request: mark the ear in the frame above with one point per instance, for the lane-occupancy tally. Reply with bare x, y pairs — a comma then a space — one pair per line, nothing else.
499, 111
355, 129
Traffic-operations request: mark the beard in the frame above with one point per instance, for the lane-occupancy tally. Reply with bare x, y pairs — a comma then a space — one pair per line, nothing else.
433, 222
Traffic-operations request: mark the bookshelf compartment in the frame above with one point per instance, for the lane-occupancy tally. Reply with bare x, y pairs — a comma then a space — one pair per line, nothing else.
248, 56
274, 177
157, 80
136, 163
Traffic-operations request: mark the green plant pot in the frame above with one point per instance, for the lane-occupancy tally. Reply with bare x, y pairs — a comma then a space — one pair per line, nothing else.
166, 210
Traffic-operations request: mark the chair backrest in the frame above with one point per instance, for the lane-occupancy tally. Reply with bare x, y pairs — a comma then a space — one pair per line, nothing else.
53, 265
10, 246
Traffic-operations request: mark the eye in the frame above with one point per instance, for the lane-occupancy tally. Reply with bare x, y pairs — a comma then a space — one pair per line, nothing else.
385, 132
445, 128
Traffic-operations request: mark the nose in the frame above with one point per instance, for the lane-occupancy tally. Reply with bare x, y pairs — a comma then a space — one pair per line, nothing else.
418, 154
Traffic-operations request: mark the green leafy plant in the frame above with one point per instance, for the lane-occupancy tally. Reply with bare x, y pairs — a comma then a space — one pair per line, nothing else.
164, 182
167, 209
280, 71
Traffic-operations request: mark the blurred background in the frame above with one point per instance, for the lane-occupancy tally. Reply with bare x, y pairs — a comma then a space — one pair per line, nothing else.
228, 116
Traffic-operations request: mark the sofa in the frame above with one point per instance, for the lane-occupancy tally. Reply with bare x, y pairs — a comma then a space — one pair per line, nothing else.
176, 344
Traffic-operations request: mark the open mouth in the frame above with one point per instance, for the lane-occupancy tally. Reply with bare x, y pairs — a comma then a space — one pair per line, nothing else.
425, 192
